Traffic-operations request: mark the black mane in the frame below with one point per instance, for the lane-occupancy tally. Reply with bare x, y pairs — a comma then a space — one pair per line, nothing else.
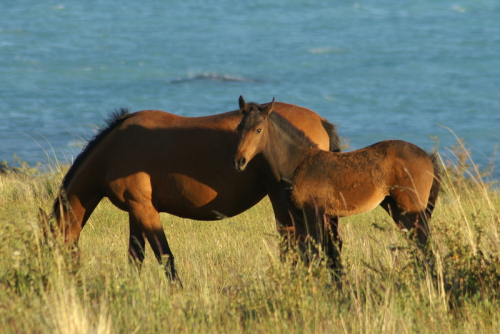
298, 136
115, 119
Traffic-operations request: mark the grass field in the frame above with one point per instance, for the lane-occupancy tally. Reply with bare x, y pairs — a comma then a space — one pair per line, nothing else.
234, 280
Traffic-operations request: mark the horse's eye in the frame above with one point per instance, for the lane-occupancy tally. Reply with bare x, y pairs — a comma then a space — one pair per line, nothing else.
259, 130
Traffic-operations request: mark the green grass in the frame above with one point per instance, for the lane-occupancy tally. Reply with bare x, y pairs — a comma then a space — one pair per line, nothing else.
234, 280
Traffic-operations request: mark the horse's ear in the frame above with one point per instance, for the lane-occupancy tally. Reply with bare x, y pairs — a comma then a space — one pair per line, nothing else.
243, 105
268, 109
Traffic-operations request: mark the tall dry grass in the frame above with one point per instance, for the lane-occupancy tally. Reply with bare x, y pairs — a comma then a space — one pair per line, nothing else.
234, 280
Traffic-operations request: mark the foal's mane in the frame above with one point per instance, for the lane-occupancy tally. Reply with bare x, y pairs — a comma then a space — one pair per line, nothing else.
297, 135
115, 119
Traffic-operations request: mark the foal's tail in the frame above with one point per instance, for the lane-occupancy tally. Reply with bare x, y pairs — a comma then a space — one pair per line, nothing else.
335, 141
436, 185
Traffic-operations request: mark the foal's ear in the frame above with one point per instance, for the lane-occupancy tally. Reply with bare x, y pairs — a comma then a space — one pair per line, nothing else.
268, 109
243, 105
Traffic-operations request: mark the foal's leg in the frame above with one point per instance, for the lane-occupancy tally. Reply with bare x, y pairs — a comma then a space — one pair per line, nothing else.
149, 221
332, 243
315, 229
409, 220
284, 220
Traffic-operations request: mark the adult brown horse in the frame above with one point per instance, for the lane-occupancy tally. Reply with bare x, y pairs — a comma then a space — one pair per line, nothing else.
319, 187
152, 161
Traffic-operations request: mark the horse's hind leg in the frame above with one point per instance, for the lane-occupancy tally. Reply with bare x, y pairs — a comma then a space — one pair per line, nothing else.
149, 221
412, 221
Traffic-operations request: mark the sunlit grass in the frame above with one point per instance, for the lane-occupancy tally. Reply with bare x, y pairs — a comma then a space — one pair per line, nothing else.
234, 280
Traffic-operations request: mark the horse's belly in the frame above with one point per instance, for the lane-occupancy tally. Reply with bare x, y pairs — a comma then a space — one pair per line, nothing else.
187, 197
185, 191
356, 207
339, 198
356, 202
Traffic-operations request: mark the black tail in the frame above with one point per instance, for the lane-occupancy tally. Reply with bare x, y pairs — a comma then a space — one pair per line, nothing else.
335, 141
436, 185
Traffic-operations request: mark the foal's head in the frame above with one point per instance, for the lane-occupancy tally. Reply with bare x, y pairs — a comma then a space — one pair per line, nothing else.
253, 132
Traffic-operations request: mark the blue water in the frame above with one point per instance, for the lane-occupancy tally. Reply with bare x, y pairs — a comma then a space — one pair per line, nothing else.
379, 69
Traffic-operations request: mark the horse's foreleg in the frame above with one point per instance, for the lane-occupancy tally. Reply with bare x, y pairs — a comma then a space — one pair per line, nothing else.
149, 221
137, 243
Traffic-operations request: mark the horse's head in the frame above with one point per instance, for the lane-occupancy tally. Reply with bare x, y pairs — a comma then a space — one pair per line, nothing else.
252, 131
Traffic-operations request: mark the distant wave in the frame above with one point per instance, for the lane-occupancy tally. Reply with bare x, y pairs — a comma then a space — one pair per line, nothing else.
326, 50
459, 9
212, 77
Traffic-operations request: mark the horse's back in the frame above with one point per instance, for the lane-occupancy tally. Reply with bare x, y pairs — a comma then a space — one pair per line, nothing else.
392, 161
304, 119
154, 119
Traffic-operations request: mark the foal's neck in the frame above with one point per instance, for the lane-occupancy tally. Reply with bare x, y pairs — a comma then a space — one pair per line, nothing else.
285, 150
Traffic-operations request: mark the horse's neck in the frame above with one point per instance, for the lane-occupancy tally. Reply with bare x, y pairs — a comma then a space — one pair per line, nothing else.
283, 153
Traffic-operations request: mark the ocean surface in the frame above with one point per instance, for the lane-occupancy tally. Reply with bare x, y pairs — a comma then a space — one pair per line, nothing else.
410, 70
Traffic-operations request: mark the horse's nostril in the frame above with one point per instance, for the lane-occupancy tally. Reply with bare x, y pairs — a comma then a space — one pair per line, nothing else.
239, 163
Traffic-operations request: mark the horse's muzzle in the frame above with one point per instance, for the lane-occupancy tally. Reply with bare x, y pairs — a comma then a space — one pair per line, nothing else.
240, 163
